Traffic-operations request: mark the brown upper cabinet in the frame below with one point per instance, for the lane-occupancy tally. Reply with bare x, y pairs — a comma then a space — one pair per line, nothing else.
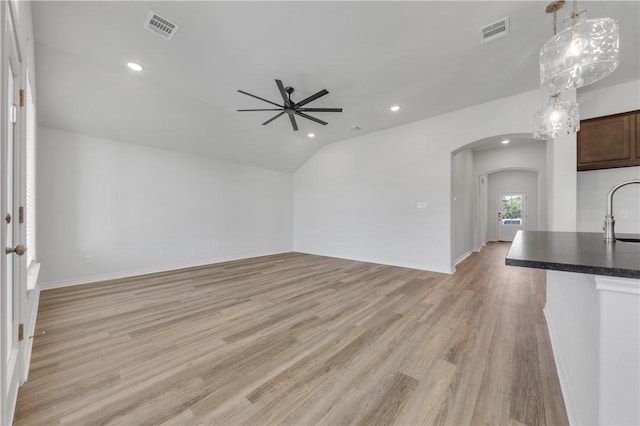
609, 142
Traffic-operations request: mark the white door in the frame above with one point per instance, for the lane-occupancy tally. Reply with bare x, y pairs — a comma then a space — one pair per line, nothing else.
512, 213
12, 277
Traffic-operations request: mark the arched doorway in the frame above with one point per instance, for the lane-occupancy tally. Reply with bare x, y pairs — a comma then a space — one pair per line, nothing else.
472, 167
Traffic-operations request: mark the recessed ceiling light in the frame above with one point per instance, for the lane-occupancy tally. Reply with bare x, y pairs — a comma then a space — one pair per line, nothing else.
506, 141
311, 135
134, 66
395, 108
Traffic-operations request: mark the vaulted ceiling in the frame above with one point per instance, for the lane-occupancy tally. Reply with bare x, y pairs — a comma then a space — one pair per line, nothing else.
428, 57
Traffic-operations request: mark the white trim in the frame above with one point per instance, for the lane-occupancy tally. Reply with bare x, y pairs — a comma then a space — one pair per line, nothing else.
410, 265
12, 392
14, 20
618, 285
467, 254
149, 270
32, 275
569, 402
31, 330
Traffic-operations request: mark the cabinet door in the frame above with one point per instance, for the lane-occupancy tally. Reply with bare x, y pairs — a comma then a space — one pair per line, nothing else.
608, 142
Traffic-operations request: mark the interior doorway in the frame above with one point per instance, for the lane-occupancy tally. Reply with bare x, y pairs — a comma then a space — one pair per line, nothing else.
512, 214
509, 201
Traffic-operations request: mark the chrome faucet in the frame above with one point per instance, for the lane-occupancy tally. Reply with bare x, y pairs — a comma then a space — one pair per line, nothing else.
609, 221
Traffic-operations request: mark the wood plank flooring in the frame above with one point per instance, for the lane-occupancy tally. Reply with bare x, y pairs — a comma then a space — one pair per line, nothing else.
298, 339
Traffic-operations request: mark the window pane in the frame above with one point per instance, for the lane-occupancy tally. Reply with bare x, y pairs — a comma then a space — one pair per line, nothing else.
512, 207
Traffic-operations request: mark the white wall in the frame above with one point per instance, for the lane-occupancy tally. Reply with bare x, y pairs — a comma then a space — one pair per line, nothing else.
131, 209
573, 317
594, 185
561, 180
531, 156
464, 204
512, 181
611, 100
356, 199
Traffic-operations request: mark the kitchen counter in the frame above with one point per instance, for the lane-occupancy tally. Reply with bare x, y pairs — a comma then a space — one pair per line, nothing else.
592, 309
581, 252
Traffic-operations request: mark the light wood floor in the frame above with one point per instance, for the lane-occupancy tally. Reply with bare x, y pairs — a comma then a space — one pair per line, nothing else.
298, 339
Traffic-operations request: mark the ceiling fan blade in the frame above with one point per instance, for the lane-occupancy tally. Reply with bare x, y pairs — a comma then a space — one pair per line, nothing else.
258, 97
311, 98
283, 92
293, 122
272, 118
320, 109
308, 117
263, 109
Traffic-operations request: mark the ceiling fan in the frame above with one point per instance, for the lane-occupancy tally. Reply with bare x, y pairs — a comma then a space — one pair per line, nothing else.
290, 108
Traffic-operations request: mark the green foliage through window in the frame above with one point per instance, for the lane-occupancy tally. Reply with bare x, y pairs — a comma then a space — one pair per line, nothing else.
512, 207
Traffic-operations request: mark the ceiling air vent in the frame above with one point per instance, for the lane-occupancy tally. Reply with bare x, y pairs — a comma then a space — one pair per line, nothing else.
161, 26
355, 128
496, 29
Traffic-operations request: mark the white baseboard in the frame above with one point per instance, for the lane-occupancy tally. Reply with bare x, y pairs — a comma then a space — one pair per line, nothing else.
464, 256
146, 271
174, 267
569, 403
386, 262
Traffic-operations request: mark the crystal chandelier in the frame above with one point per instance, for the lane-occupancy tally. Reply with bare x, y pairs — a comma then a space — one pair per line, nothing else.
582, 54
556, 119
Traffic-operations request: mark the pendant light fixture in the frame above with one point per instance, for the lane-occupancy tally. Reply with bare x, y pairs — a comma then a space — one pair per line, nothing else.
582, 54
556, 119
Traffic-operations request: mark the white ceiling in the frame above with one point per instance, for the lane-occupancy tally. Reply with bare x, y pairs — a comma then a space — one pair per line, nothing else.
428, 57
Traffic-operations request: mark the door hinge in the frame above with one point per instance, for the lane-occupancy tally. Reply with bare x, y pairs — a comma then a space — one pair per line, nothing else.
22, 97
21, 215
20, 332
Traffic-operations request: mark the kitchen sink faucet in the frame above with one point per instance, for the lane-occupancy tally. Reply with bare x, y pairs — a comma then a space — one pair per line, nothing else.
609, 221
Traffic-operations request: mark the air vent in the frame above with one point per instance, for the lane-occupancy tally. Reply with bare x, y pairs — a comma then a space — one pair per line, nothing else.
496, 29
161, 26
355, 128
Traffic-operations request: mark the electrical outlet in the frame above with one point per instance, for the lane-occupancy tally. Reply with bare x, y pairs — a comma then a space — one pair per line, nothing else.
421, 204
624, 214
89, 259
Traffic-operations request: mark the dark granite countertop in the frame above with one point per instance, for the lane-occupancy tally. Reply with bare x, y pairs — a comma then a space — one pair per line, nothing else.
581, 252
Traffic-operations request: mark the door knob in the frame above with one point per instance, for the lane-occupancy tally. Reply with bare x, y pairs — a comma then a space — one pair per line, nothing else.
19, 250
